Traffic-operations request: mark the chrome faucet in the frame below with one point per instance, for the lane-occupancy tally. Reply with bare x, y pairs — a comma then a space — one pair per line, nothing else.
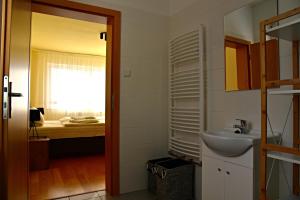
242, 126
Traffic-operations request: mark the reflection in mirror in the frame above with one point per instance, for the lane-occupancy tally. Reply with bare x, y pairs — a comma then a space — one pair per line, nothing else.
241, 46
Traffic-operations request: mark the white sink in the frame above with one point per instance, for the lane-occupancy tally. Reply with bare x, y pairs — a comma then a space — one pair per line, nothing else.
228, 143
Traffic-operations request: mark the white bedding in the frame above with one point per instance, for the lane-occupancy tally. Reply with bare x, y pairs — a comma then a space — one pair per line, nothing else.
58, 130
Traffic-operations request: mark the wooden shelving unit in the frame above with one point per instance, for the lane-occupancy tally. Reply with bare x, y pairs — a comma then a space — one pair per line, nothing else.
291, 158
284, 92
287, 31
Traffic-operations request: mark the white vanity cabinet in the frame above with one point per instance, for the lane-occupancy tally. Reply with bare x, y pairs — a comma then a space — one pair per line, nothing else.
229, 178
213, 184
238, 182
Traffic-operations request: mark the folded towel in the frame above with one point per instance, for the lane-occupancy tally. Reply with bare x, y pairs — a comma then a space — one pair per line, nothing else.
84, 121
68, 124
83, 117
64, 119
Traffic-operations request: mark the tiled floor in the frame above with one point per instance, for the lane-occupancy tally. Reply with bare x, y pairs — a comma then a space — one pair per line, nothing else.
140, 195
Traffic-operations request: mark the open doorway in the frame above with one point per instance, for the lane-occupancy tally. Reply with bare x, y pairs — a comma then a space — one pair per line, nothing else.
67, 106
15, 45
105, 25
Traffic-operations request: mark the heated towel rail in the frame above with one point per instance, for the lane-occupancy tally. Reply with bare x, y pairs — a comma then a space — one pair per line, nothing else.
187, 94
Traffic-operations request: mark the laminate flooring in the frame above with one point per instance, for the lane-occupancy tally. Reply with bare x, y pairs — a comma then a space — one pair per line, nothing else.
101, 195
68, 177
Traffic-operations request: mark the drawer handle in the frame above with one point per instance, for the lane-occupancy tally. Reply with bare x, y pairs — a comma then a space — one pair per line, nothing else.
219, 169
228, 173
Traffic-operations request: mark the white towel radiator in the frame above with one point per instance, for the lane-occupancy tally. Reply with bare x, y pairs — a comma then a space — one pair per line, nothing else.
187, 95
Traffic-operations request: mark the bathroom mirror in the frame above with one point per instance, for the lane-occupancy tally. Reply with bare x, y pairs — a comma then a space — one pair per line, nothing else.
241, 46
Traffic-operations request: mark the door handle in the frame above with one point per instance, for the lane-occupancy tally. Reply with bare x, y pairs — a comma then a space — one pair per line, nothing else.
10, 95
5, 97
14, 94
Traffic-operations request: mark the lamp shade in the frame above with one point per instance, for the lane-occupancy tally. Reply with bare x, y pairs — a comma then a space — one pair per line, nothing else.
41, 110
34, 115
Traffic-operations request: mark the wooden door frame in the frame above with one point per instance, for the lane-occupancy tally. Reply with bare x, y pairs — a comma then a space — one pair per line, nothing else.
112, 107
2, 55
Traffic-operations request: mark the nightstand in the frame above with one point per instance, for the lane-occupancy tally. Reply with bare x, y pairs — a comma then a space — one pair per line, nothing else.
39, 153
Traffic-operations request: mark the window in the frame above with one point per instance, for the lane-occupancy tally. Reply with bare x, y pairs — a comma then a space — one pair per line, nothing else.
67, 84
76, 88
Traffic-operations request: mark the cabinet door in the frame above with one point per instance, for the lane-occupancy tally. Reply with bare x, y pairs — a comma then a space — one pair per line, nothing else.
272, 62
238, 182
212, 179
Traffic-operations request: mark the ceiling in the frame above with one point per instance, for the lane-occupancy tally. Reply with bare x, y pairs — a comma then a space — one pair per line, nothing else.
67, 35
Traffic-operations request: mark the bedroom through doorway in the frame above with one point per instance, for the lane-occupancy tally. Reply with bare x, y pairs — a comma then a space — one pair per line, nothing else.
67, 106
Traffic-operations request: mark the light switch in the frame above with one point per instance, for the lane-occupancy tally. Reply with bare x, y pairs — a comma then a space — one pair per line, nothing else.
127, 73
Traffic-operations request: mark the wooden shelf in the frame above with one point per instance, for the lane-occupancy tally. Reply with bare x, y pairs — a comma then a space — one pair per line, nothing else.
284, 92
291, 158
277, 83
288, 31
290, 197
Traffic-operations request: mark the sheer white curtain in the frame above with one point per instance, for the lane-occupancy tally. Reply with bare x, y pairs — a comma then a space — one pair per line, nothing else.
67, 84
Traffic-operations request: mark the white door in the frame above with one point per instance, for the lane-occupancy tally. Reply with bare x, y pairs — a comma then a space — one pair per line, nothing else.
212, 179
238, 182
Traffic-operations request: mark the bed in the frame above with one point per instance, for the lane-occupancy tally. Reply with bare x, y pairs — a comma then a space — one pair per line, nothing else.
72, 139
55, 129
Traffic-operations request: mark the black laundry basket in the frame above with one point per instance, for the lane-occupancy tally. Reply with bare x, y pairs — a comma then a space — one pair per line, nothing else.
175, 180
152, 170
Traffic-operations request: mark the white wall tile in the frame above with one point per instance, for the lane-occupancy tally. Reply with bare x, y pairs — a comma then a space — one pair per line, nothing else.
216, 79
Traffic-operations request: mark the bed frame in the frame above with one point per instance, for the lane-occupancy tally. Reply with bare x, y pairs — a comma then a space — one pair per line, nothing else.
69, 147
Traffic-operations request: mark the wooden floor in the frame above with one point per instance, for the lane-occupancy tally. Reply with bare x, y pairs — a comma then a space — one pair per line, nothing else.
67, 177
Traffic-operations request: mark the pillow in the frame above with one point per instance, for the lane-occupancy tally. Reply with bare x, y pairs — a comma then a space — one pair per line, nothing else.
65, 119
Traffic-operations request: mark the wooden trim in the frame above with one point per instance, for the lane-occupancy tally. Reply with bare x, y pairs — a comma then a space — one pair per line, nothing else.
63, 8
296, 168
276, 83
116, 54
282, 149
2, 71
79, 7
282, 16
108, 100
263, 156
6, 57
45, 9
237, 40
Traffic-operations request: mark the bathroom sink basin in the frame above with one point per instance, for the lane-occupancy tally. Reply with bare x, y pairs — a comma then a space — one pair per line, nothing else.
228, 143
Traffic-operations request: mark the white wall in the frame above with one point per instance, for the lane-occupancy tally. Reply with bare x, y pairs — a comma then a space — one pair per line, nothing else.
143, 128
285, 5
262, 10
245, 22
224, 107
153, 6
178, 5
239, 24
